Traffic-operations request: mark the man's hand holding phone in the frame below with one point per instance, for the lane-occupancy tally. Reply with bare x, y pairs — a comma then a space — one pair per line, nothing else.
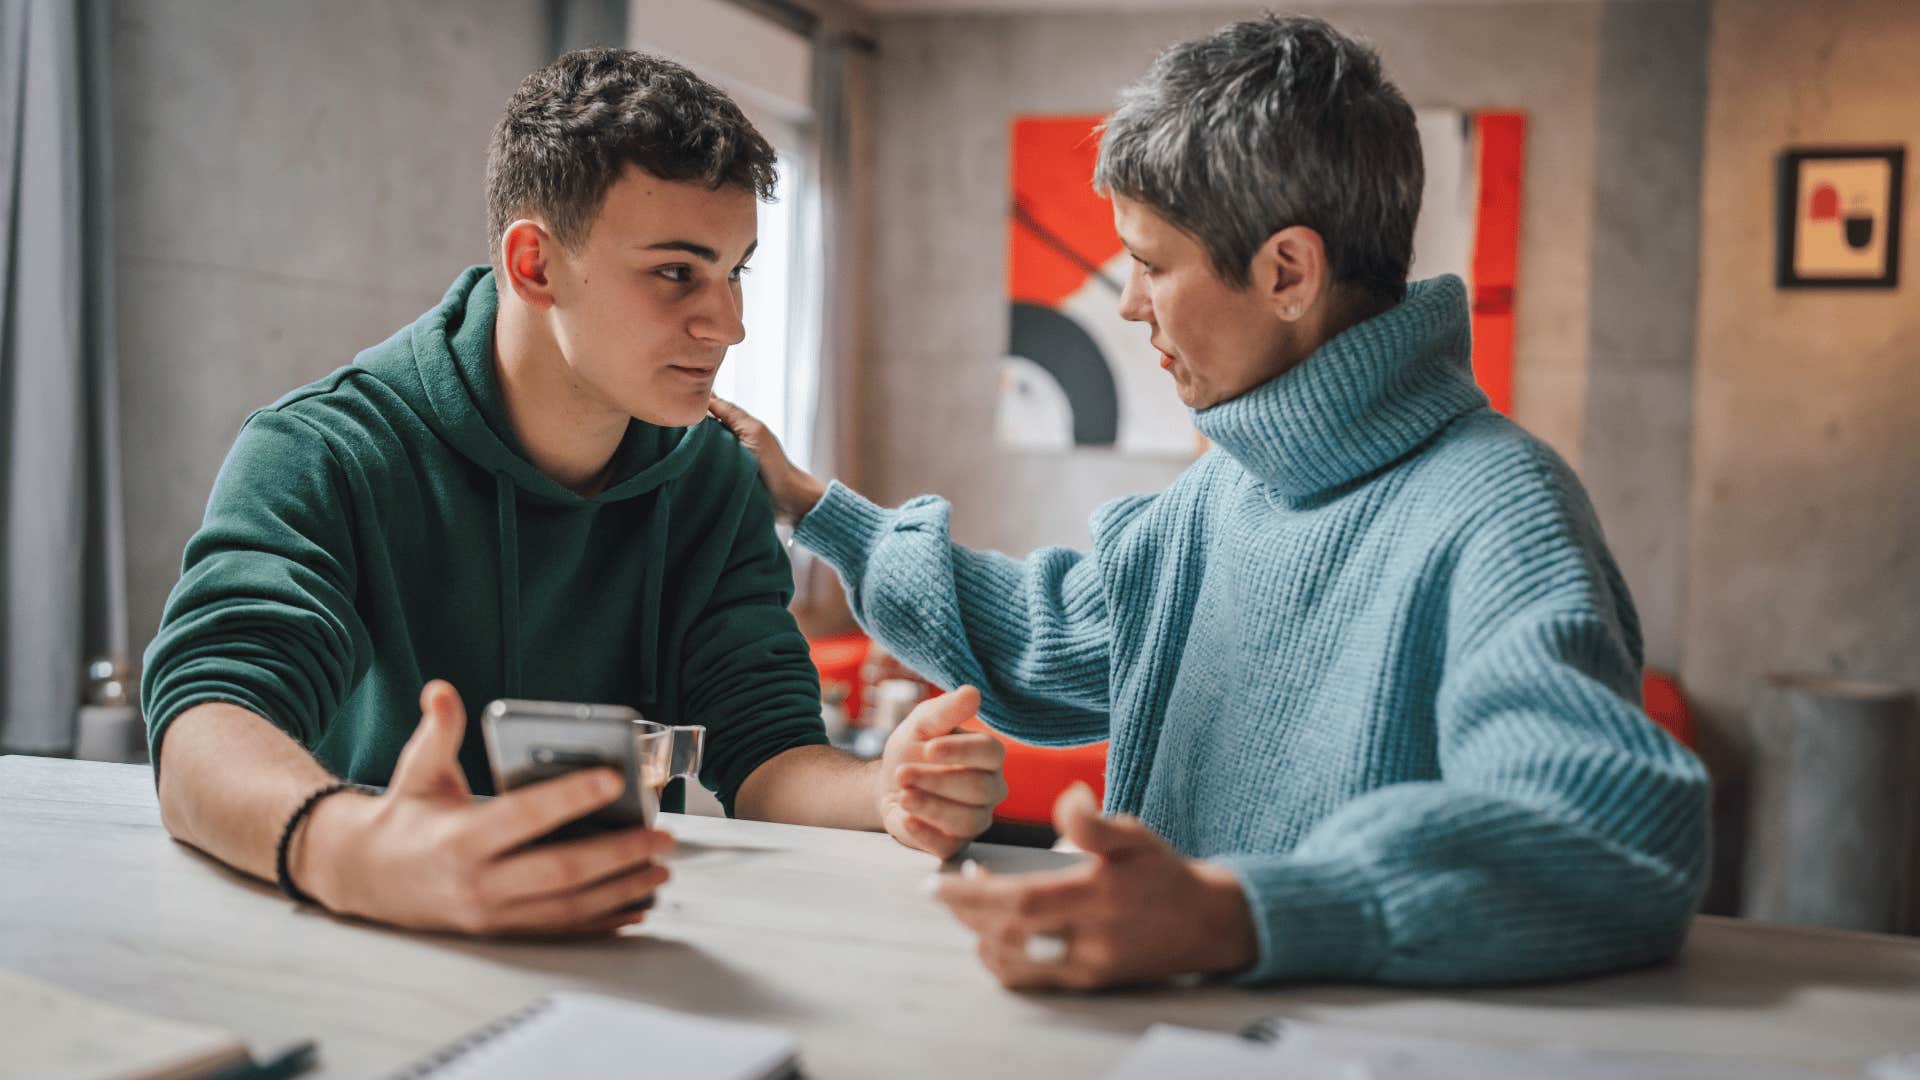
424, 855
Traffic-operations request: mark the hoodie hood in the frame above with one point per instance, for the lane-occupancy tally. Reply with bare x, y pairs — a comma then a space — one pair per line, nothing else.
452, 349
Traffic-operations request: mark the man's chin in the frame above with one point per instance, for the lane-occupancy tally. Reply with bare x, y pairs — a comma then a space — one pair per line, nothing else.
675, 411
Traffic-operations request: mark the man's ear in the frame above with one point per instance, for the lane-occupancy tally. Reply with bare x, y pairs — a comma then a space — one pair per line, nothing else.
1290, 271
527, 253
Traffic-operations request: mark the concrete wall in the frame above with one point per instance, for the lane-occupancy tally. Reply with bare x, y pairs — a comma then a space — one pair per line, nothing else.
949, 86
1648, 117
293, 182
1805, 526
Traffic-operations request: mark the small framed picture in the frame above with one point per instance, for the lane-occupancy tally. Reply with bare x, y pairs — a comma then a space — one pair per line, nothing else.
1840, 217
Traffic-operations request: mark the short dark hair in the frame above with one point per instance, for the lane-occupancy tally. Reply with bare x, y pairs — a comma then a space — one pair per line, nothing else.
574, 126
1266, 124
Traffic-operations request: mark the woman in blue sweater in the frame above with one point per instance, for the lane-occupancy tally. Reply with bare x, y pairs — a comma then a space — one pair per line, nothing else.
1370, 675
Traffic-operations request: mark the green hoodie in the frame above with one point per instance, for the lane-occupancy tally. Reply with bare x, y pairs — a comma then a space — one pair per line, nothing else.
381, 527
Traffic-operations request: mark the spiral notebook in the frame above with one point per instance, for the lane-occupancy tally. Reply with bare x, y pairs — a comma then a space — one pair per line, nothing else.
591, 1035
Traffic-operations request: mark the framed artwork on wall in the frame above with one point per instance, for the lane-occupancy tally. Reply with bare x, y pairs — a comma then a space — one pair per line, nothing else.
1839, 217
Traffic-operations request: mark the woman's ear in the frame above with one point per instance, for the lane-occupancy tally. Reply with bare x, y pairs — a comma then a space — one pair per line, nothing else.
527, 250
1290, 270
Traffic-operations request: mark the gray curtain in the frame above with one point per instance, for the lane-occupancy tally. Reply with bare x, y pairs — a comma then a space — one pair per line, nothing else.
581, 24
62, 592
839, 71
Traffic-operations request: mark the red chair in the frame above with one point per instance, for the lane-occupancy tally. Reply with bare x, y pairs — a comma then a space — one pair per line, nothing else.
839, 658
1036, 775
1667, 706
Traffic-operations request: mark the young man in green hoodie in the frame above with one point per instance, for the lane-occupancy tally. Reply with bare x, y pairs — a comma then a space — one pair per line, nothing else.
517, 495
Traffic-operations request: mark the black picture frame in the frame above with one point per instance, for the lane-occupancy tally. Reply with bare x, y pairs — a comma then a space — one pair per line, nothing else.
1787, 216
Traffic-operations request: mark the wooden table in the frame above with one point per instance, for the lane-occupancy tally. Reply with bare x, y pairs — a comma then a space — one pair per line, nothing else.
825, 933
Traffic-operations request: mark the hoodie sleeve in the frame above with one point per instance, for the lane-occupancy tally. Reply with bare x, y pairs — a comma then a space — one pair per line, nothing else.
748, 675
263, 615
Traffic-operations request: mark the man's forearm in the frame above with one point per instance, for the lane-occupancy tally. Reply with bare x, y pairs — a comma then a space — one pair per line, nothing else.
813, 785
228, 781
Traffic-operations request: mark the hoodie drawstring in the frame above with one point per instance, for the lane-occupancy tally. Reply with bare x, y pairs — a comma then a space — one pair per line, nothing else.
505, 501
653, 577
654, 574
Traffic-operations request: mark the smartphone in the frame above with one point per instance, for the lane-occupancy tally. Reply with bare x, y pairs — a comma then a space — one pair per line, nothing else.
531, 741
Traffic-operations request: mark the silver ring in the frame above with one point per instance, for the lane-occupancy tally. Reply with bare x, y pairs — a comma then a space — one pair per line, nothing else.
1046, 948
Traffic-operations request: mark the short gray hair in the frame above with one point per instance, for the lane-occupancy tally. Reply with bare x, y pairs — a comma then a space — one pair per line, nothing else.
1266, 124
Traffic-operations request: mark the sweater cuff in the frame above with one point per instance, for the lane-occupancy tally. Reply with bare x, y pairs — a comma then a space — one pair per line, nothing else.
843, 528
1313, 920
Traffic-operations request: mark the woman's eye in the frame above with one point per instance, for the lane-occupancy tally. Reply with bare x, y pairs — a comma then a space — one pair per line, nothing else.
681, 274
740, 272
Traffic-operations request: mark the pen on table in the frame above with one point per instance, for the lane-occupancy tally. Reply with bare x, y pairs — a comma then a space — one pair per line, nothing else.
290, 1062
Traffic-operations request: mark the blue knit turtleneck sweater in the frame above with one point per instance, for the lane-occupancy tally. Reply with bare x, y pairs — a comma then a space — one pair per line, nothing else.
1370, 653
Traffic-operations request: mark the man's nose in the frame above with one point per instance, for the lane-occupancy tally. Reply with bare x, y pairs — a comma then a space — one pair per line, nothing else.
719, 319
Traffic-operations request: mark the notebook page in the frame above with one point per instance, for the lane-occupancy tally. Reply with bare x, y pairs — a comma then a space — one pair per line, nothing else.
591, 1035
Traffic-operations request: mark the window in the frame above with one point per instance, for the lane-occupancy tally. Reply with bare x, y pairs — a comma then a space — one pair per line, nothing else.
775, 373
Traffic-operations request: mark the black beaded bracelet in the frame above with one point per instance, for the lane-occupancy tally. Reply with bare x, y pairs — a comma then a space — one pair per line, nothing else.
285, 877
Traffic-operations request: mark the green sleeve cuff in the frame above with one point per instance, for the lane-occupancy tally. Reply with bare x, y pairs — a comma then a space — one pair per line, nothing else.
180, 696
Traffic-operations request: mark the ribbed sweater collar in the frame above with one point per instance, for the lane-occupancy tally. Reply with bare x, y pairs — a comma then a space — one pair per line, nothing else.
1362, 401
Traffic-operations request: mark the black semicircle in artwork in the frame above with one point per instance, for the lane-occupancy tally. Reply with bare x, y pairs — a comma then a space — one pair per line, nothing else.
1065, 350
1859, 228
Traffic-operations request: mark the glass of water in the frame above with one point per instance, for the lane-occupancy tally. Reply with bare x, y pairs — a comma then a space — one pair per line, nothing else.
667, 751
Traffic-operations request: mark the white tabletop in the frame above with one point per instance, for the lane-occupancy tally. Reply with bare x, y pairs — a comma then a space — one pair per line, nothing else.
827, 934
